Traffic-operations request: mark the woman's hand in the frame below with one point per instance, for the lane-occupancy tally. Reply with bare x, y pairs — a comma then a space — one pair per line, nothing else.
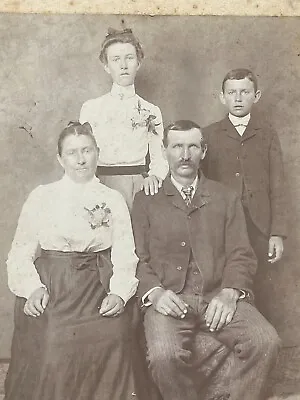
112, 306
37, 302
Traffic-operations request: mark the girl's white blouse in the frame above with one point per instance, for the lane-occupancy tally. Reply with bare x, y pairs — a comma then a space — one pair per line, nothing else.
118, 120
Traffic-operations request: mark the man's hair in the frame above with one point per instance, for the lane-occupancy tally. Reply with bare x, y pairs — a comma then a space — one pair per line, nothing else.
240, 73
181, 125
75, 128
122, 36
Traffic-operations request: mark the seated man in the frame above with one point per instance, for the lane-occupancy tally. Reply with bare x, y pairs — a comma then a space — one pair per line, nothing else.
195, 269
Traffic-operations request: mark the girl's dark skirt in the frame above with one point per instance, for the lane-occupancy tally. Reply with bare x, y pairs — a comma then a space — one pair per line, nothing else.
70, 352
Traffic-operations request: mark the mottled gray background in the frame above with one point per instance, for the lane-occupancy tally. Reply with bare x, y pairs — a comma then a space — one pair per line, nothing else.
49, 67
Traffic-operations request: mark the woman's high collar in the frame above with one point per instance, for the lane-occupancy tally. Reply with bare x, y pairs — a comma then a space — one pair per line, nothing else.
69, 183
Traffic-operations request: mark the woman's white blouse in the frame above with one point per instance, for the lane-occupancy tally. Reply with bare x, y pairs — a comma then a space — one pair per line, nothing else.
120, 123
68, 216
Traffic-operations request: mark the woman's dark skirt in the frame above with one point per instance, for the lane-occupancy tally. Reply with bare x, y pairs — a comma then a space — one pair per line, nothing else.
70, 352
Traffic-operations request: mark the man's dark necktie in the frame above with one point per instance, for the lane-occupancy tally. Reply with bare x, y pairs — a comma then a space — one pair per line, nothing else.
188, 192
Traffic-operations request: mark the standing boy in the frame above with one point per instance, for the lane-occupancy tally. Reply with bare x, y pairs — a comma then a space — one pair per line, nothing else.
244, 153
125, 125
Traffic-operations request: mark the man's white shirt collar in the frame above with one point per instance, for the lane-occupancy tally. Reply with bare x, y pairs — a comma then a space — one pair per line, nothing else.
179, 186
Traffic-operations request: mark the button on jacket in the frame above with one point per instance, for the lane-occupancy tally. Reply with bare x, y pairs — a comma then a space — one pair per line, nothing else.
252, 166
213, 228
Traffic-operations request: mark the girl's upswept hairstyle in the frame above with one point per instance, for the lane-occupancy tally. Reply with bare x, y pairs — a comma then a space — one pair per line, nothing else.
123, 36
240, 73
75, 128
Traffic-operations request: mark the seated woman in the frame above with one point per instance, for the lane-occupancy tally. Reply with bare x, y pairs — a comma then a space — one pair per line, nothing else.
72, 327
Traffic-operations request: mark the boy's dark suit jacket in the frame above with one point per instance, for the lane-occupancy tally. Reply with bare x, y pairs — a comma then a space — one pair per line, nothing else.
255, 159
214, 228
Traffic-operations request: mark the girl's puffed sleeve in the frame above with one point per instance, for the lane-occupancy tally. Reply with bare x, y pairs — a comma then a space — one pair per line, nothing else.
123, 281
158, 164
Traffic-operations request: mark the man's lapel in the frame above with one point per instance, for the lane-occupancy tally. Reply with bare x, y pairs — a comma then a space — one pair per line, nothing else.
202, 195
200, 198
173, 194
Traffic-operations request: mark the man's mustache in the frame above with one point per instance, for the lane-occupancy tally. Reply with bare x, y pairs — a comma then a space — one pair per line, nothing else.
190, 163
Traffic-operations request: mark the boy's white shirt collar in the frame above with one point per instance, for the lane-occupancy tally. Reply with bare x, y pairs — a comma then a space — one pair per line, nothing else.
122, 92
239, 120
240, 123
179, 186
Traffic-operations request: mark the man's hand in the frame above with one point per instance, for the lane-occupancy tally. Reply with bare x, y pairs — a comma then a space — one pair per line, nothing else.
151, 184
167, 302
221, 309
111, 306
37, 302
275, 249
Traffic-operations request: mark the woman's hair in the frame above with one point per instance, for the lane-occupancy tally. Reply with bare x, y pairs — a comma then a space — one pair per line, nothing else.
122, 36
75, 128
238, 74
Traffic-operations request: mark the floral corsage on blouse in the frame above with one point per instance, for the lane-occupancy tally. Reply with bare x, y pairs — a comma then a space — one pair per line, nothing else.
144, 118
98, 216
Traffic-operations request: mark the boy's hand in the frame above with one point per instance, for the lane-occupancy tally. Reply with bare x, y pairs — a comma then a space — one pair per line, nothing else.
151, 184
112, 306
275, 249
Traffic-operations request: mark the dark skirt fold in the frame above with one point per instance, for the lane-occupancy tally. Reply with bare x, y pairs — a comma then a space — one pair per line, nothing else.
71, 352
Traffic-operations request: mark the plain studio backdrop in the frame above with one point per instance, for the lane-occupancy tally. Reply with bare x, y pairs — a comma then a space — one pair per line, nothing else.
49, 67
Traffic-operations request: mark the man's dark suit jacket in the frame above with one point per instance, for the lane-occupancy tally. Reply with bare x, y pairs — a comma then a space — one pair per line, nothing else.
255, 159
166, 231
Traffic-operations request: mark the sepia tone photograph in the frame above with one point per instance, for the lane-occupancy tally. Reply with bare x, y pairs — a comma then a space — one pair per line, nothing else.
150, 223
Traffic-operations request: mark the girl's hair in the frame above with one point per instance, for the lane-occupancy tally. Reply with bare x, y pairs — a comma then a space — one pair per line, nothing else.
122, 36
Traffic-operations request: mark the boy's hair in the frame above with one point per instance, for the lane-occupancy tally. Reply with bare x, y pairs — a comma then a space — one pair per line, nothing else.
181, 125
240, 73
122, 36
75, 128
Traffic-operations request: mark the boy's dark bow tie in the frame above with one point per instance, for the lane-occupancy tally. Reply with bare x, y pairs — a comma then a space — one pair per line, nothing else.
188, 191
245, 125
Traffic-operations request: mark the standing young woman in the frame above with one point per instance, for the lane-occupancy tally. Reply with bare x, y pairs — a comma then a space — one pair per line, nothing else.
124, 123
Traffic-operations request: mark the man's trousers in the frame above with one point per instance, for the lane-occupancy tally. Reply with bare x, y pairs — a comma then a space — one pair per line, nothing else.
253, 342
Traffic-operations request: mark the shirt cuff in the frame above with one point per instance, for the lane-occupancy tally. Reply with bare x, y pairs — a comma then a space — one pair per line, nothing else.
124, 292
145, 301
159, 172
26, 291
31, 291
243, 293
